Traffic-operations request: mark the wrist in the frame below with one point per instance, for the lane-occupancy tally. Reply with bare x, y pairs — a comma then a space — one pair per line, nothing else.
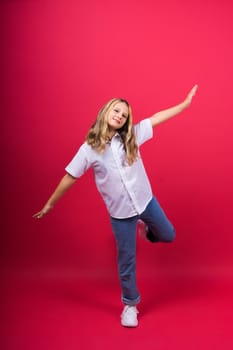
186, 103
48, 207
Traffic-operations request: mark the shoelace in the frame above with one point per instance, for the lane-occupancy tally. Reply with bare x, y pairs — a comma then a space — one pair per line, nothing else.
130, 310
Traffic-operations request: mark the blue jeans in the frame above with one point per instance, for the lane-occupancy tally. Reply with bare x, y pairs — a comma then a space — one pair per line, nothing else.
125, 234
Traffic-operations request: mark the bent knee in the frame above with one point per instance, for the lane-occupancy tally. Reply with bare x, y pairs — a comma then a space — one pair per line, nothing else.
171, 236
168, 236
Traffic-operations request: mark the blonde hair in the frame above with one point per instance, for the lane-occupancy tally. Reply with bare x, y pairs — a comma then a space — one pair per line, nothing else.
97, 134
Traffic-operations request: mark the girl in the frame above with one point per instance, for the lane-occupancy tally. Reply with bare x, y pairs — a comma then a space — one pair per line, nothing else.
112, 150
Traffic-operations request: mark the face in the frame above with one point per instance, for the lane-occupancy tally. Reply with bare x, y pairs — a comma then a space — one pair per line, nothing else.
118, 115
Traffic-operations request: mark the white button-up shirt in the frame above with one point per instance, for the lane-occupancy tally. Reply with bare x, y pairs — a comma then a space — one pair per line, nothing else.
125, 189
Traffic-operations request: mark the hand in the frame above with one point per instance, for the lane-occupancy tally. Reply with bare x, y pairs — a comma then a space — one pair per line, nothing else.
192, 93
43, 212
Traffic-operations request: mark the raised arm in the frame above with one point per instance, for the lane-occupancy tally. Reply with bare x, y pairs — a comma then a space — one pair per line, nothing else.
166, 114
66, 182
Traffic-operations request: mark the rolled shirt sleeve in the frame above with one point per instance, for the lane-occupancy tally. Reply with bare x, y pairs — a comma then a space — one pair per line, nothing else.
143, 131
80, 163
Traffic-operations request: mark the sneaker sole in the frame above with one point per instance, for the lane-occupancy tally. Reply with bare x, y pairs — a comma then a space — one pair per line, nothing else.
129, 325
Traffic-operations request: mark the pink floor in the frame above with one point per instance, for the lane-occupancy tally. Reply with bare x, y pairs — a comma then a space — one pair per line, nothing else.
62, 309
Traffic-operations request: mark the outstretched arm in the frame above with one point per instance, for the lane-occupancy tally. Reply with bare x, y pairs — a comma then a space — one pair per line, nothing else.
66, 182
166, 114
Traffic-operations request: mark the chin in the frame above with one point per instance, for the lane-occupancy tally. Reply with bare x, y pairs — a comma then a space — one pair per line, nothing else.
114, 126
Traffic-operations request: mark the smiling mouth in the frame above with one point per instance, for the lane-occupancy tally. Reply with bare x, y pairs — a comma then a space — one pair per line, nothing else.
116, 120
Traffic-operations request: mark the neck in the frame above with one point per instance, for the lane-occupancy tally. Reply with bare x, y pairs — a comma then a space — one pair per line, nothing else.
110, 133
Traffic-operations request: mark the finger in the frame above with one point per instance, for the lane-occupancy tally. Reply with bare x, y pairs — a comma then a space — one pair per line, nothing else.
194, 89
38, 215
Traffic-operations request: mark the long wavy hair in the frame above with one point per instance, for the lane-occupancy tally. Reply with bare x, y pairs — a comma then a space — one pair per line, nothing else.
97, 134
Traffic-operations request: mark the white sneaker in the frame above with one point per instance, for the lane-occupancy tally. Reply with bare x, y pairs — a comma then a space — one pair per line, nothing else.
141, 228
145, 233
129, 316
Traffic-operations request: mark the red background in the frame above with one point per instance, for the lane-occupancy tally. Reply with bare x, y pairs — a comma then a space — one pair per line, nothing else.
62, 60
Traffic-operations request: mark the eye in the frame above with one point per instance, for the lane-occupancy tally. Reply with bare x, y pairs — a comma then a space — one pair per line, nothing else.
116, 110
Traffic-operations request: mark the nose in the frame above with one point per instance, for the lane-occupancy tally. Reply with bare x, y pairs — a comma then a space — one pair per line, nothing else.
118, 115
